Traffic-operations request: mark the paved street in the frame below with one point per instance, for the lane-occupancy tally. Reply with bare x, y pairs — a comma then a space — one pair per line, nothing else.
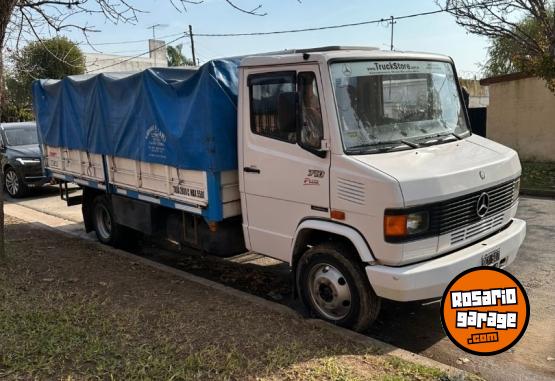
411, 326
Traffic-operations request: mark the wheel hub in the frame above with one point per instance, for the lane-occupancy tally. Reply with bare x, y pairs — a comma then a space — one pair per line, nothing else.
326, 293
329, 291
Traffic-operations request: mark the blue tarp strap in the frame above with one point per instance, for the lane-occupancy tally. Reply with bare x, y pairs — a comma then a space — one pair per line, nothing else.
214, 211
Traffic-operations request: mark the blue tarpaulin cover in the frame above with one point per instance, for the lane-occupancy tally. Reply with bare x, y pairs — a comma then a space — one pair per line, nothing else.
179, 117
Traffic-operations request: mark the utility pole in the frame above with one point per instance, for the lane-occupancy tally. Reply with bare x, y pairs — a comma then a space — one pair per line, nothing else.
192, 44
392, 22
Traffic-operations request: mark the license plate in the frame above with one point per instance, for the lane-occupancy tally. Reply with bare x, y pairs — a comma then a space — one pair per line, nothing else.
491, 258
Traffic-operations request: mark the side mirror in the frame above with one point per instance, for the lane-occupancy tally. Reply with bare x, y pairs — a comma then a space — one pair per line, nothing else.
320, 151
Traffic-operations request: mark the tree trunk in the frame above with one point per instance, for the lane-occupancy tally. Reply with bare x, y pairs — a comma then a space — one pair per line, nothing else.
2, 248
553, 31
5, 14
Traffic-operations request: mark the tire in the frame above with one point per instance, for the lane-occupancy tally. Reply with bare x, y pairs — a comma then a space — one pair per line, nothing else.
107, 230
13, 184
335, 288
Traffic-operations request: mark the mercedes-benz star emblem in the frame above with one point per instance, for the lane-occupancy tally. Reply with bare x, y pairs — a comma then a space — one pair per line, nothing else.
482, 206
482, 175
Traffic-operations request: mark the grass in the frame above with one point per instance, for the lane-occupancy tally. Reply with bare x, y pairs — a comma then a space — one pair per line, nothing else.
538, 176
403, 369
78, 312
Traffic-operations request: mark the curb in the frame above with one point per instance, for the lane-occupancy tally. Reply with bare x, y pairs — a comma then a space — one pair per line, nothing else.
41, 220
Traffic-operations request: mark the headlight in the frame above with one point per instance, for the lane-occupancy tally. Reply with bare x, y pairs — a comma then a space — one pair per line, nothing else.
404, 225
418, 222
516, 190
23, 161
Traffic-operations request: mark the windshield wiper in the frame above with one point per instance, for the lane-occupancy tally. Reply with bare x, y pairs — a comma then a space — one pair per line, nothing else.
409, 143
381, 147
437, 138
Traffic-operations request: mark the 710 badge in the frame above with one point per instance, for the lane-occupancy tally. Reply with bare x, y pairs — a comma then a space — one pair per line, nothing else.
485, 311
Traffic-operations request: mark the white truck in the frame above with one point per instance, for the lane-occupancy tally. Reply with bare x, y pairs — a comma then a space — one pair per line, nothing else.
356, 166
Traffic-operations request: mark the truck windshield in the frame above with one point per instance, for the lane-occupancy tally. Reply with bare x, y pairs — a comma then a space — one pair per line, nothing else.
387, 105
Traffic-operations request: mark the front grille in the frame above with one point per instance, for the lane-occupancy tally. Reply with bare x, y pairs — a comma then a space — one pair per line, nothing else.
472, 231
32, 170
460, 212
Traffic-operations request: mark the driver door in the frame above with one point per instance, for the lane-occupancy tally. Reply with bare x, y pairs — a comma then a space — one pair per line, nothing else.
285, 172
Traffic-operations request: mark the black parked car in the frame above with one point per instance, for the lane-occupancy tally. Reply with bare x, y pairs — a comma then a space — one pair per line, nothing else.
21, 158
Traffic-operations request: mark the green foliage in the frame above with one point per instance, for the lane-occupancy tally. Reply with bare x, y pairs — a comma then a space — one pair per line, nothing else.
509, 55
53, 58
16, 106
176, 58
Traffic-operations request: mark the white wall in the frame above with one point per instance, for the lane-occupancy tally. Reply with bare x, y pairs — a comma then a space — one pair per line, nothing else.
98, 62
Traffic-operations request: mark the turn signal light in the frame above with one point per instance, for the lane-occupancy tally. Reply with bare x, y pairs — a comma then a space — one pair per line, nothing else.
337, 215
395, 226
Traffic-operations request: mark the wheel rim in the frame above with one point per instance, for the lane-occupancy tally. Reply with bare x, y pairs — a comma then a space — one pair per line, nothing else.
329, 291
12, 183
103, 221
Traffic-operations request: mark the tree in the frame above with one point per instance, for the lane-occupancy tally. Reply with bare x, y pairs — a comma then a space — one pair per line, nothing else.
522, 32
506, 56
176, 58
52, 58
21, 19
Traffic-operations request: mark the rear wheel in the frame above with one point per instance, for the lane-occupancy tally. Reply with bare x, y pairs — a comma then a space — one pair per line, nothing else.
107, 230
335, 288
14, 184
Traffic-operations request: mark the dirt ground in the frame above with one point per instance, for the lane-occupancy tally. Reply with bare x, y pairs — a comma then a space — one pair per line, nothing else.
71, 310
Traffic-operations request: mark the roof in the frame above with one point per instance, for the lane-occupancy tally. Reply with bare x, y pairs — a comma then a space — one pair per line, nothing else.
325, 54
504, 78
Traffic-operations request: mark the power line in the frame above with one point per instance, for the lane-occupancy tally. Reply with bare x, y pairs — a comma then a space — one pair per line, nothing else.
347, 25
382, 20
368, 22
128, 42
139, 55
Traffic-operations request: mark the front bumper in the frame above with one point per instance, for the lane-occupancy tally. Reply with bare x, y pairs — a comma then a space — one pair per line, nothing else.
31, 174
427, 280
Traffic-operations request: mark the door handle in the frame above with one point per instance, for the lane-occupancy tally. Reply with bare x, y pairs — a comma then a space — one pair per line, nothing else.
251, 170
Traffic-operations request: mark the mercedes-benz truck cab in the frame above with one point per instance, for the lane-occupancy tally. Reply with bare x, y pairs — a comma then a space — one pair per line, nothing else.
359, 168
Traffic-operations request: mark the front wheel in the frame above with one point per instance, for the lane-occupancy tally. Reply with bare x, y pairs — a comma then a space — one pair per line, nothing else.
335, 288
14, 184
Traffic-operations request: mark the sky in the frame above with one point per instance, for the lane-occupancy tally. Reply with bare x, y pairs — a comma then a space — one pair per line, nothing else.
434, 33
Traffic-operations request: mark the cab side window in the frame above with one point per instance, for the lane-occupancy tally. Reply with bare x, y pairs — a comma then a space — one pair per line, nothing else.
312, 131
273, 105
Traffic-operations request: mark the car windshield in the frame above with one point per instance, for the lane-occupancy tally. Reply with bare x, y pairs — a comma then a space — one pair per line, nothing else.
21, 136
393, 104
